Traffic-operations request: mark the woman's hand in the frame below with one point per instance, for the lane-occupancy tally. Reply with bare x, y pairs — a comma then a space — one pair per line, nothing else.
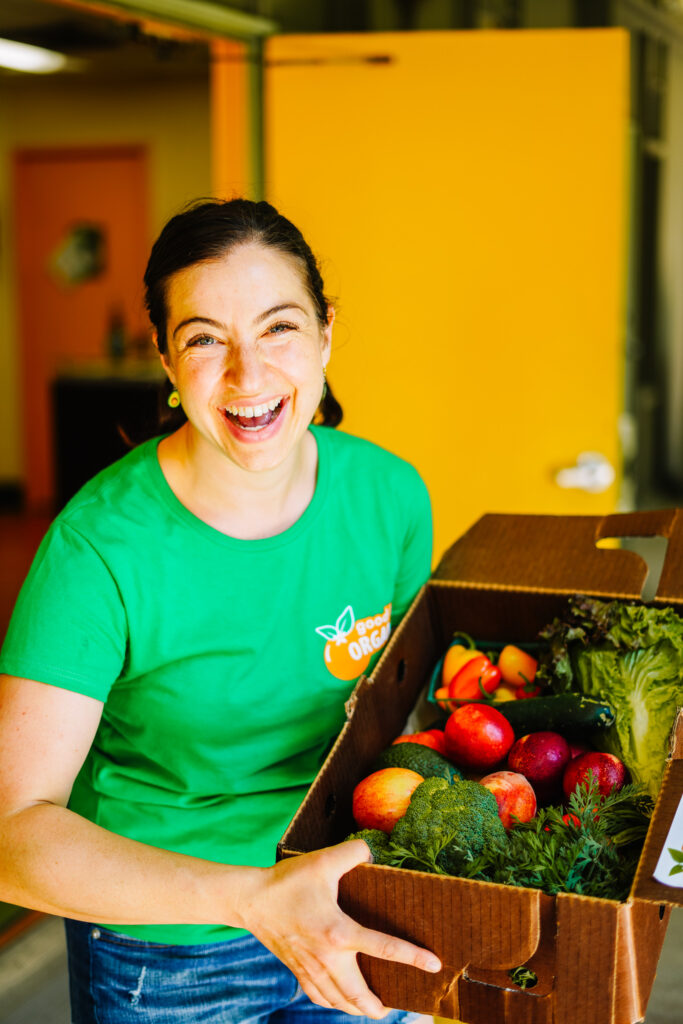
295, 914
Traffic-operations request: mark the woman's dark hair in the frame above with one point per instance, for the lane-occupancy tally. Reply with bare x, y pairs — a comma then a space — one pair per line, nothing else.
208, 230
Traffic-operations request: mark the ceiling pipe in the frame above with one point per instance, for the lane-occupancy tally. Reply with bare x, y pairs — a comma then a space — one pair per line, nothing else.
196, 14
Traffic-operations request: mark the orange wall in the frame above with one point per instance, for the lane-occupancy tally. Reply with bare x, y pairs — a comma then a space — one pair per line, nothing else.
169, 118
62, 321
231, 170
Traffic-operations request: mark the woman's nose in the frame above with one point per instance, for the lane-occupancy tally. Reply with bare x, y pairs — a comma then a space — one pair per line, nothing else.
245, 368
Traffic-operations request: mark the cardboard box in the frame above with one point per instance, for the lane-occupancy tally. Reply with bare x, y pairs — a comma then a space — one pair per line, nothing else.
595, 959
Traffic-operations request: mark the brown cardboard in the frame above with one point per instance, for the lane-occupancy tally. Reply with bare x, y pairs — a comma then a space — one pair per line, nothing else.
595, 959
644, 885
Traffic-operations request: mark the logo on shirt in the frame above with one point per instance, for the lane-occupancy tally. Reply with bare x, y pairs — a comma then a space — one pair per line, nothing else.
351, 643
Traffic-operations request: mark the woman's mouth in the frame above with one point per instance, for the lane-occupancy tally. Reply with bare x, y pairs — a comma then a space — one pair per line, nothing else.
254, 417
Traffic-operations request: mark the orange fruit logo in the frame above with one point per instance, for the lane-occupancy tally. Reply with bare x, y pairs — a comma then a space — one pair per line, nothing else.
351, 643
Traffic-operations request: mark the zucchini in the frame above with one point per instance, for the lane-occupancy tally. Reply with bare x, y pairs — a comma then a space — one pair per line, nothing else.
567, 713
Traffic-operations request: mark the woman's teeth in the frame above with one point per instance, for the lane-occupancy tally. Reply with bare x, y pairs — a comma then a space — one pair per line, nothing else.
248, 412
254, 417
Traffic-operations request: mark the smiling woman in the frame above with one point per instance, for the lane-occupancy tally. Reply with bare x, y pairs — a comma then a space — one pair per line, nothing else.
244, 335
247, 356
142, 784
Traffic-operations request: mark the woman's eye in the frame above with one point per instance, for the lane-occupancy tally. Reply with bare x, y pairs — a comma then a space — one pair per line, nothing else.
202, 341
280, 328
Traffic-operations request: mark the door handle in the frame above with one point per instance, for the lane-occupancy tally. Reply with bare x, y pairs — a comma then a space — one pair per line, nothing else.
592, 472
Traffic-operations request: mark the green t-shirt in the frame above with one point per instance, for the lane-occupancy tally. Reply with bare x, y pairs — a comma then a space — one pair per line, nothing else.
223, 664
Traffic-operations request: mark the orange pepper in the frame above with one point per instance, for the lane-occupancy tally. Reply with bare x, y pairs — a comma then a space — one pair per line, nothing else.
516, 666
455, 657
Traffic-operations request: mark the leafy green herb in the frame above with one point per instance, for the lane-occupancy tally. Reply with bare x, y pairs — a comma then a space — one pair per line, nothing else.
423, 859
523, 977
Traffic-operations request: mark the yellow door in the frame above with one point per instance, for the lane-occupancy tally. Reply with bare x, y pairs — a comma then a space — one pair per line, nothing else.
467, 194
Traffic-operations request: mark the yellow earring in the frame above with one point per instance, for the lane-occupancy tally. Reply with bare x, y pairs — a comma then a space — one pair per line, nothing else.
173, 399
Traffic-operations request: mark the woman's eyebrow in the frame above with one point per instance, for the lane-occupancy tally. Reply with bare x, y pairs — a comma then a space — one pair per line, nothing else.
197, 320
278, 309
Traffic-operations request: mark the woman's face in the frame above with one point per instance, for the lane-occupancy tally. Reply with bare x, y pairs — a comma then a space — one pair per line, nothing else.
246, 353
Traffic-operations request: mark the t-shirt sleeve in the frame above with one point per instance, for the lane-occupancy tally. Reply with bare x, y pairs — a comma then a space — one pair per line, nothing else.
69, 624
416, 556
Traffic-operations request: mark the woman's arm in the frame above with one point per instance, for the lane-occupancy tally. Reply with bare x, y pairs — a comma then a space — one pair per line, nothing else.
56, 861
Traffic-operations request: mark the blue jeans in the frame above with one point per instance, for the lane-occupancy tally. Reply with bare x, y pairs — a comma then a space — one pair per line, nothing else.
114, 979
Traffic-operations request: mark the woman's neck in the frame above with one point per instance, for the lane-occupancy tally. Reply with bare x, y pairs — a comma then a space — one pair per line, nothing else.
239, 503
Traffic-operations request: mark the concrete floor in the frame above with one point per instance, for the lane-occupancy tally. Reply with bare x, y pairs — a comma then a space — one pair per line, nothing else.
33, 982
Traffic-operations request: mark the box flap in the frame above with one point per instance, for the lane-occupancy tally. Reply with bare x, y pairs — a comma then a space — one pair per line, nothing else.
660, 872
559, 553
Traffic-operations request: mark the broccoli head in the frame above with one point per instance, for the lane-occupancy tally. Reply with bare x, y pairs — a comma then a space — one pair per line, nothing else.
447, 824
378, 841
419, 758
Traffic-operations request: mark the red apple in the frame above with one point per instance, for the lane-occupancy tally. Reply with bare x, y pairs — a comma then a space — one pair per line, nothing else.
380, 799
608, 771
433, 738
478, 736
514, 795
541, 757
438, 740
577, 747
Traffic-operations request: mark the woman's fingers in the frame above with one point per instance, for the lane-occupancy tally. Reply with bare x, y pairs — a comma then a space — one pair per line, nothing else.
315, 993
331, 967
344, 857
388, 947
328, 972
296, 915
342, 986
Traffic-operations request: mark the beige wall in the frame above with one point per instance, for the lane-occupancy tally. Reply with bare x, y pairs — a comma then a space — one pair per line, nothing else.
171, 119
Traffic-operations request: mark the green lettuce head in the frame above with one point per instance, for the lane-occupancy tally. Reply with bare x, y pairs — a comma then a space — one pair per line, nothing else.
630, 656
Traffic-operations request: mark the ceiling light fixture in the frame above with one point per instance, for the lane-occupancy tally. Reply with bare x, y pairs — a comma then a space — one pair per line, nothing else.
34, 59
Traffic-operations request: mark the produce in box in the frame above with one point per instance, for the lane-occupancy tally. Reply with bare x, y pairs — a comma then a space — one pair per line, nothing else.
455, 829
631, 656
418, 758
541, 757
514, 795
382, 798
616, 672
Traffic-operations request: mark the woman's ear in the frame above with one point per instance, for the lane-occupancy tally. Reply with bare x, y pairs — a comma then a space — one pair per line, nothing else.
163, 356
327, 335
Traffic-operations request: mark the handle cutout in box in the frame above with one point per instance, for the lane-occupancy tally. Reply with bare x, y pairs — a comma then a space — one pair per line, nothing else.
653, 881
652, 550
669, 869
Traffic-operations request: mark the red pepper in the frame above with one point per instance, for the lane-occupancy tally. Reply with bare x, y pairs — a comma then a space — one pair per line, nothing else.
528, 690
571, 819
476, 680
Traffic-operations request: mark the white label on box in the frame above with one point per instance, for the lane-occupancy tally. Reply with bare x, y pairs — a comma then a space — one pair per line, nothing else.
669, 870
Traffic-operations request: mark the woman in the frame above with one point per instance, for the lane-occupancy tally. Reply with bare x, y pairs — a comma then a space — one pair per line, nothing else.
180, 654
